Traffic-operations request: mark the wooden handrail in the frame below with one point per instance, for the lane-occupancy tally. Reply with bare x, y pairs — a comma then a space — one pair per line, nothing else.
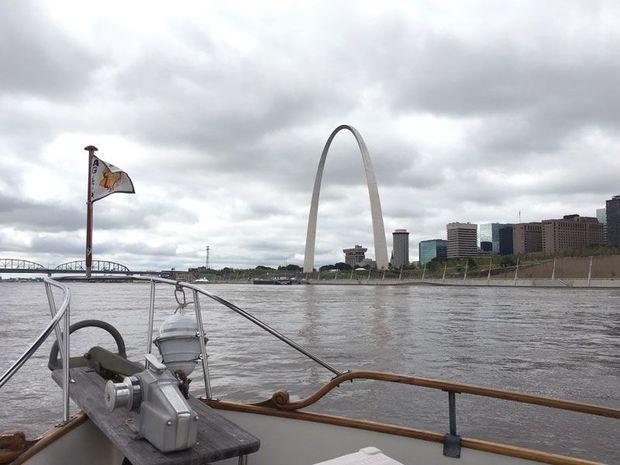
486, 446
280, 398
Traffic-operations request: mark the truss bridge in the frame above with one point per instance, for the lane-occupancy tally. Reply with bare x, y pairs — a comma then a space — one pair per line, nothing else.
17, 265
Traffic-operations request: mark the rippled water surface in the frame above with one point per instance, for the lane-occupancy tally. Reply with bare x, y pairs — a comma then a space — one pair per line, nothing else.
553, 342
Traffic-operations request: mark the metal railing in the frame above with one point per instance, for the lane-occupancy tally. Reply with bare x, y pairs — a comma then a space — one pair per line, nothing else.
196, 291
61, 314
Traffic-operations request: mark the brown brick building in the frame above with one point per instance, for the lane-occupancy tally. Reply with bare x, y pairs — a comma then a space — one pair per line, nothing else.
571, 232
462, 240
527, 238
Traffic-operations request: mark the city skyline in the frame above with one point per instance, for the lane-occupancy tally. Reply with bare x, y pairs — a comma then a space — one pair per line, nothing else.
219, 115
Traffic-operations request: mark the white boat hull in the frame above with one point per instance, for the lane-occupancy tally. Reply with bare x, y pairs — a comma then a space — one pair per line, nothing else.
284, 441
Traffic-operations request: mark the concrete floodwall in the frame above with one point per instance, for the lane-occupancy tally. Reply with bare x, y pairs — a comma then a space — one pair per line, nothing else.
530, 282
603, 267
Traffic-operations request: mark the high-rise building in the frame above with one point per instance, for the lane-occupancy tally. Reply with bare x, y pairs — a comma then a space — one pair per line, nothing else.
354, 255
601, 216
571, 232
462, 240
433, 248
527, 238
489, 232
505, 240
613, 221
400, 248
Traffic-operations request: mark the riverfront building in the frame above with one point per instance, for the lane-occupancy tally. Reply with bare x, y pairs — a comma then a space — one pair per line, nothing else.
400, 248
601, 216
571, 232
505, 240
527, 238
368, 262
486, 247
613, 221
433, 248
354, 255
489, 232
462, 240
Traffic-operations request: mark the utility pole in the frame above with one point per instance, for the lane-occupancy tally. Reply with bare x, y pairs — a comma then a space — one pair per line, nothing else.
207, 257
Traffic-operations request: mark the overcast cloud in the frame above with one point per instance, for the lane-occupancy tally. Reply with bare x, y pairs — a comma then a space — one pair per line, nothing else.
219, 112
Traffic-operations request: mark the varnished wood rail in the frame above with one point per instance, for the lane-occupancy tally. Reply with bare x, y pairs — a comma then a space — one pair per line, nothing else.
280, 399
486, 446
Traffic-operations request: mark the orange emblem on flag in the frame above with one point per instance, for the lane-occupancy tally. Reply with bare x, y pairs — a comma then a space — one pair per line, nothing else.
110, 180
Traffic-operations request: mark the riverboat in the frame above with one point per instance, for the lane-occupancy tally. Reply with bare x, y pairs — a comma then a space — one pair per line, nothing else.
278, 281
142, 413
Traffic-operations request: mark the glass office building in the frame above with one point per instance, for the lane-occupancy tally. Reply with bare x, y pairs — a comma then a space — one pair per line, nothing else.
612, 210
431, 249
489, 232
505, 240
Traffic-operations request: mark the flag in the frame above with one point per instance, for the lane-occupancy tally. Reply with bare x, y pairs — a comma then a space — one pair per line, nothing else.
108, 179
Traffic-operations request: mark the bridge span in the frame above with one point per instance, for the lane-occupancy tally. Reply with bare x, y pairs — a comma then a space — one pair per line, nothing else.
15, 266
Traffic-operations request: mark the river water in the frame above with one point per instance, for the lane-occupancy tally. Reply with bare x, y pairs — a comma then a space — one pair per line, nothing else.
553, 342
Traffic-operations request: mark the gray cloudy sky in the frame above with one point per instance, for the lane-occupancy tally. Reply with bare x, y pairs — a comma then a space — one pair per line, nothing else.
471, 111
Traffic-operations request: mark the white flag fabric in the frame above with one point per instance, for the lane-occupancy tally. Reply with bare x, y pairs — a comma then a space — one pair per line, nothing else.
108, 179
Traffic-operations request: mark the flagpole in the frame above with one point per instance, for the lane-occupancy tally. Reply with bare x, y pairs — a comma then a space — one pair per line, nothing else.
89, 211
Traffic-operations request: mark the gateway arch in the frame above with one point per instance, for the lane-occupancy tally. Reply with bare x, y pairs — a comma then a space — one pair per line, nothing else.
375, 204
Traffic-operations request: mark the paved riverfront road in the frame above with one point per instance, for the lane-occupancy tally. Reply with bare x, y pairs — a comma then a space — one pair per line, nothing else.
554, 342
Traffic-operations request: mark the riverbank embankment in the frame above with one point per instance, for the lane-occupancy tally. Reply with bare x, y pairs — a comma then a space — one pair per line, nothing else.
575, 283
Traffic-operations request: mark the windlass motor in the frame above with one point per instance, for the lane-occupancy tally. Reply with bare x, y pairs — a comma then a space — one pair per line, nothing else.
164, 418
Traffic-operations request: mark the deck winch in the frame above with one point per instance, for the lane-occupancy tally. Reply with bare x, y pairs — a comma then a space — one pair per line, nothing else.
164, 418
158, 394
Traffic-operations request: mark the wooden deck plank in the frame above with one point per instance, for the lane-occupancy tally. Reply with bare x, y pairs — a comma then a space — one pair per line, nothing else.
218, 437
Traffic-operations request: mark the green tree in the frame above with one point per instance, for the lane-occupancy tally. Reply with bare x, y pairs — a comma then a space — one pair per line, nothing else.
290, 267
341, 266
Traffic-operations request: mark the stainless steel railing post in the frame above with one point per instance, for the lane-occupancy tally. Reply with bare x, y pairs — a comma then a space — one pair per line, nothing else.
149, 335
57, 330
65, 364
203, 345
